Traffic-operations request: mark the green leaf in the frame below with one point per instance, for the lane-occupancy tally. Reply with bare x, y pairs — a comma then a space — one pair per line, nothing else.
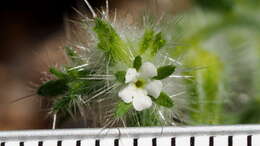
120, 76
164, 72
53, 88
110, 42
147, 40
122, 108
137, 62
57, 73
158, 43
164, 100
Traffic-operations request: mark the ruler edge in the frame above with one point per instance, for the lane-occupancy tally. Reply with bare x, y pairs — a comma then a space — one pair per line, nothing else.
132, 132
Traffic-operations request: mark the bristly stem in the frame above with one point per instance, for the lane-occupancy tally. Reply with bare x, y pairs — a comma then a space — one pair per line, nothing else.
91, 9
107, 9
54, 121
22, 98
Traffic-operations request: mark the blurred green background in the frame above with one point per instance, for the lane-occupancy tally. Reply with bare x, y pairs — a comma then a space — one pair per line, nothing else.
217, 40
223, 37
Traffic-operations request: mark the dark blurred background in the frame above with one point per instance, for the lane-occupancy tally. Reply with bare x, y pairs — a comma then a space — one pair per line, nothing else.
32, 33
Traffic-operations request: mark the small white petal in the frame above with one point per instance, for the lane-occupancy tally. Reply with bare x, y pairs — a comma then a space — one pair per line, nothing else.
139, 91
154, 88
142, 102
131, 75
148, 70
127, 93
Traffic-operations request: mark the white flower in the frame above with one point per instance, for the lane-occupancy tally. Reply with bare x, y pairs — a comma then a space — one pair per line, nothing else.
141, 86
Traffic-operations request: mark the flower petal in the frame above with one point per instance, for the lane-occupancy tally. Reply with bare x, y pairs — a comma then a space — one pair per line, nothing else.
148, 70
142, 102
131, 75
139, 91
154, 88
127, 93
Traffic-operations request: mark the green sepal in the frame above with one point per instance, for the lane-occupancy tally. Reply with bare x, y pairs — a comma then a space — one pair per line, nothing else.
110, 42
151, 42
78, 87
106, 35
53, 88
164, 100
57, 73
157, 44
146, 40
137, 62
122, 108
164, 72
62, 104
74, 73
120, 76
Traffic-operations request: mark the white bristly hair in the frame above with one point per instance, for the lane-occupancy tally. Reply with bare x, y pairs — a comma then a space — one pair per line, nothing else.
91, 9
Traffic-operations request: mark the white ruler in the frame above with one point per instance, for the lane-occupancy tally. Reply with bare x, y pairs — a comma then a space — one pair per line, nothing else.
238, 135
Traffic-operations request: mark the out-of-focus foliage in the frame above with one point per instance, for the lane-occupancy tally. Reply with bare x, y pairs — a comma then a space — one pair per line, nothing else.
205, 87
221, 42
217, 5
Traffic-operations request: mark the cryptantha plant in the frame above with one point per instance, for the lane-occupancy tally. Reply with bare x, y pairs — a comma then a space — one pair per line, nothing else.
113, 72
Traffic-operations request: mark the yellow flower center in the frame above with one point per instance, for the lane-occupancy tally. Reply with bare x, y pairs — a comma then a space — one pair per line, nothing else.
140, 83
